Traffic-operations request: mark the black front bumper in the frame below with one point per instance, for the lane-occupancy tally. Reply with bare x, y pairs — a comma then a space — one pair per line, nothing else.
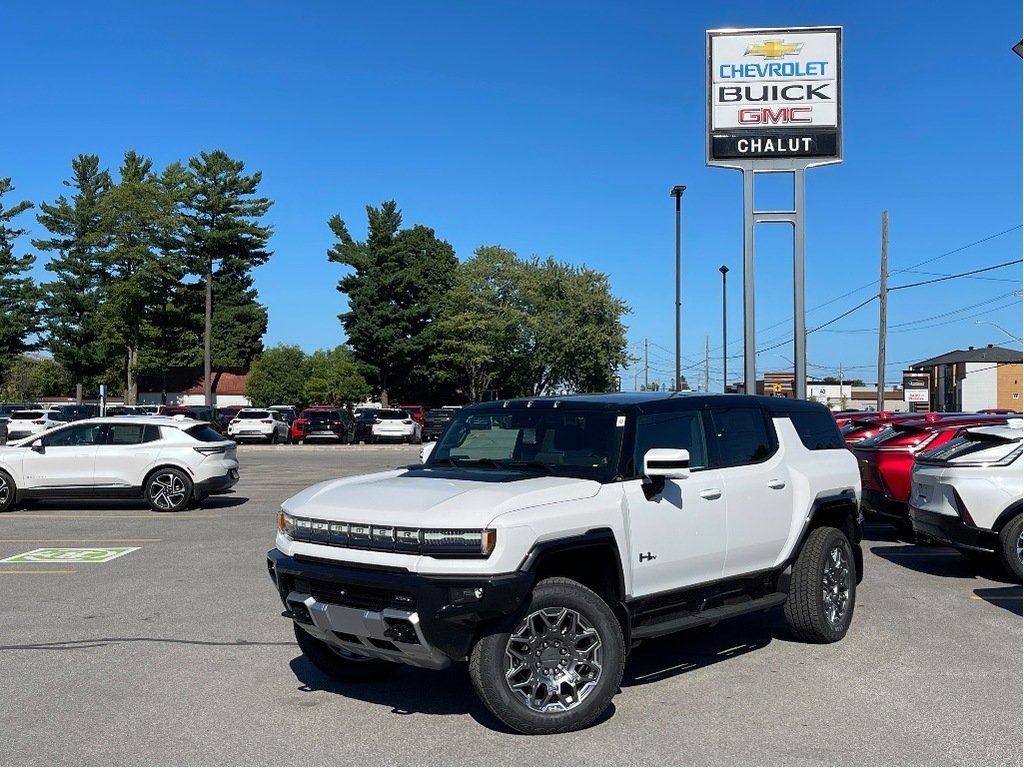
447, 626
946, 529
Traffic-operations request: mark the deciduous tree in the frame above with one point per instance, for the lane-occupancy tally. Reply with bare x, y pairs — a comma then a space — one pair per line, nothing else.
277, 377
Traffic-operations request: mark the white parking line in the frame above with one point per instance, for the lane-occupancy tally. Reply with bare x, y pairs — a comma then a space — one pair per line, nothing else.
151, 516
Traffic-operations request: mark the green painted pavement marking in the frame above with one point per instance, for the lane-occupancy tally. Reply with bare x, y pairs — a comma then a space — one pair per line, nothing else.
70, 555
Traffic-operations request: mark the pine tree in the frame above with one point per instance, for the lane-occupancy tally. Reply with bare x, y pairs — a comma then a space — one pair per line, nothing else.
72, 300
224, 241
19, 295
138, 218
394, 293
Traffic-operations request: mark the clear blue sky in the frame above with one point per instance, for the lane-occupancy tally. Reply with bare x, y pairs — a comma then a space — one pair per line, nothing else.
557, 129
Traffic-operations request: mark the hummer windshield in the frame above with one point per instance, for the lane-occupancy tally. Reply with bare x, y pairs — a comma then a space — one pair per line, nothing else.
573, 443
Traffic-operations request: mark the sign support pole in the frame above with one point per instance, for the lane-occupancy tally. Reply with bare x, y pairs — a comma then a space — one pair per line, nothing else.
749, 349
752, 217
799, 262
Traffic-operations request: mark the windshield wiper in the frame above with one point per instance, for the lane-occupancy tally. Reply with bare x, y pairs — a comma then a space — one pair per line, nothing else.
449, 461
528, 465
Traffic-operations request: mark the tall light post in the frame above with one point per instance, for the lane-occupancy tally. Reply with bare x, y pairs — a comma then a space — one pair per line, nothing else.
677, 193
725, 339
989, 322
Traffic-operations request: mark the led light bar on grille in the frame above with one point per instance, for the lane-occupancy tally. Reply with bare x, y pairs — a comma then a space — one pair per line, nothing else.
437, 542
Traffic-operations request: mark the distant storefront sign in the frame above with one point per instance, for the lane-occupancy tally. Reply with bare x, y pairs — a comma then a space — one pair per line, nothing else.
915, 395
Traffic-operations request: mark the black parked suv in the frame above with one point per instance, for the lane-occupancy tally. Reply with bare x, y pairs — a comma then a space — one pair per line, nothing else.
323, 423
365, 419
435, 422
540, 540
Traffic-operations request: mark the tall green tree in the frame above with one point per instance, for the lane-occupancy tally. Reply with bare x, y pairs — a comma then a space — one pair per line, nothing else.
72, 299
528, 328
573, 337
173, 330
19, 295
397, 281
332, 376
138, 217
225, 241
277, 377
481, 321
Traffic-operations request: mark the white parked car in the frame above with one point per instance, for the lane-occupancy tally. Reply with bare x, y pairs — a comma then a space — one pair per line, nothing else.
169, 462
396, 425
967, 494
258, 424
25, 423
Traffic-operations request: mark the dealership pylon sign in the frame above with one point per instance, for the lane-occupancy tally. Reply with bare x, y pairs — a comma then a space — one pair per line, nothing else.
774, 106
774, 94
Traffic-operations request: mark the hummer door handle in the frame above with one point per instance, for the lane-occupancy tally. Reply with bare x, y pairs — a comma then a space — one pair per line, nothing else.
711, 493
777, 484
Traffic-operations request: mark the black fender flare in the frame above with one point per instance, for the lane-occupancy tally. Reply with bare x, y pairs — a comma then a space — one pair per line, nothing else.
1007, 514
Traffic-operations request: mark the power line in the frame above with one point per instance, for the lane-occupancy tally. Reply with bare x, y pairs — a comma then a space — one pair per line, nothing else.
954, 277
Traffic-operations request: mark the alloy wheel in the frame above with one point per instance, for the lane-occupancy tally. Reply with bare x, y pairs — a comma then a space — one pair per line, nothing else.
167, 490
553, 660
1020, 540
836, 587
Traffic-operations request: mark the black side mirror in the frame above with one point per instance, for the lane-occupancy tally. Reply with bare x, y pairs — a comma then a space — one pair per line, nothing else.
38, 447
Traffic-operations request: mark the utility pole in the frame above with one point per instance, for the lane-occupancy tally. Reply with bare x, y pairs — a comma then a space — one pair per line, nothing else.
882, 307
707, 361
647, 381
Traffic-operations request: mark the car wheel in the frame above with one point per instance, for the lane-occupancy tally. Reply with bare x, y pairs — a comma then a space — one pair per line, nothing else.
342, 665
822, 588
168, 490
1010, 548
273, 438
8, 492
556, 669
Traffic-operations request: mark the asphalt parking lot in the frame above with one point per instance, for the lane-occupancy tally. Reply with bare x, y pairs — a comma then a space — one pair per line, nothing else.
175, 653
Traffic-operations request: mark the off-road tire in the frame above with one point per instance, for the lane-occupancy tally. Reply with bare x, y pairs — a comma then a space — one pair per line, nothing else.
824, 576
8, 492
339, 665
168, 490
587, 621
1008, 552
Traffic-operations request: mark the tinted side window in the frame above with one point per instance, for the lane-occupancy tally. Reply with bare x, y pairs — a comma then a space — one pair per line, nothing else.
124, 434
204, 434
671, 430
742, 436
73, 436
818, 431
151, 433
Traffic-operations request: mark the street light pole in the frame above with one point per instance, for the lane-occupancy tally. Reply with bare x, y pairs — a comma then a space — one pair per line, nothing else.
677, 193
725, 355
989, 322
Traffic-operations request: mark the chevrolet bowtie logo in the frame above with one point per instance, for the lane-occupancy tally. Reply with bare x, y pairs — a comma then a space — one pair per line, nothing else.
773, 49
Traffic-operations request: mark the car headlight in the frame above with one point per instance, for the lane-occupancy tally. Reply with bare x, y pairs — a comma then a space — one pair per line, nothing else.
435, 542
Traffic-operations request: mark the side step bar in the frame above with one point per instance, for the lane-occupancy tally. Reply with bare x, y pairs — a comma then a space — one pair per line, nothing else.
708, 616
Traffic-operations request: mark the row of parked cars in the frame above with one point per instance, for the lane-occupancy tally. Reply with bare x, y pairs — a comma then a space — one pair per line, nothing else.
949, 478
330, 423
